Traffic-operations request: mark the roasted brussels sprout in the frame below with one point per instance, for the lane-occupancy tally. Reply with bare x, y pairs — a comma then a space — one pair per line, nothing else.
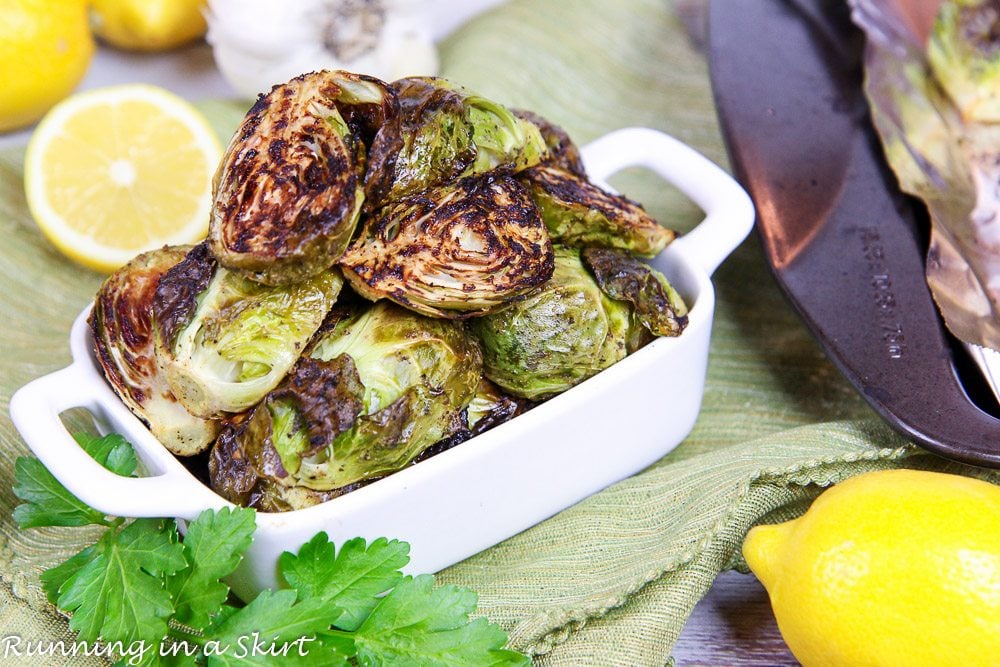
224, 341
556, 338
656, 305
563, 153
964, 55
446, 132
578, 213
455, 251
123, 338
289, 191
378, 387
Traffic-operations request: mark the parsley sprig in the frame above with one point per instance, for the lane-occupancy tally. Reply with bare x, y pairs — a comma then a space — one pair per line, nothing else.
141, 585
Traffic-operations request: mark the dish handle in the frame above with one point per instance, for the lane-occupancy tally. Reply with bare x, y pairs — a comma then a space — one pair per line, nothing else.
35, 410
729, 212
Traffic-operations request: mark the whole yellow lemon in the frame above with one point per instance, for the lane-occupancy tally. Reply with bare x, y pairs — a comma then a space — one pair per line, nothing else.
896, 567
148, 25
45, 48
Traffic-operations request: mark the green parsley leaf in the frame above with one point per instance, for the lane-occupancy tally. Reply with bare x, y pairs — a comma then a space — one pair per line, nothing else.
418, 624
119, 594
352, 579
49, 503
112, 451
275, 627
54, 578
140, 583
213, 546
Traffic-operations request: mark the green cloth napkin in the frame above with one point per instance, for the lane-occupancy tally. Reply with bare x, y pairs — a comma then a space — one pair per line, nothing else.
612, 580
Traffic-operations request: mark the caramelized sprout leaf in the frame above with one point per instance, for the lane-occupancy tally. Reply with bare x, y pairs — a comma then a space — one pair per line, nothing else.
578, 213
655, 304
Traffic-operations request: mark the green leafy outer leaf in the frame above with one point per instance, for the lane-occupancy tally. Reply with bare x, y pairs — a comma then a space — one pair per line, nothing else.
418, 624
273, 621
49, 503
119, 594
213, 547
351, 580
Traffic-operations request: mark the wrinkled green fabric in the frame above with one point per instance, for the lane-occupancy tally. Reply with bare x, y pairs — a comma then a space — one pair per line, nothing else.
612, 580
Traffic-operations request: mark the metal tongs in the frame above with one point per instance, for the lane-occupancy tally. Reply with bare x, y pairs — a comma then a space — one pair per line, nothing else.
843, 242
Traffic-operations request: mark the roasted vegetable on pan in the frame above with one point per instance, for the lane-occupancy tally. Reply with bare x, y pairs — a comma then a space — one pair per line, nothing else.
485, 274
454, 251
224, 341
290, 187
121, 323
446, 132
936, 106
378, 386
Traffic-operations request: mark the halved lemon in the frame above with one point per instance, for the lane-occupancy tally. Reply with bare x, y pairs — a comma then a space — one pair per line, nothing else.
116, 171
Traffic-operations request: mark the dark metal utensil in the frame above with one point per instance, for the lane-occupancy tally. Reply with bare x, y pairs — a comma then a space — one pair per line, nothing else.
843, 242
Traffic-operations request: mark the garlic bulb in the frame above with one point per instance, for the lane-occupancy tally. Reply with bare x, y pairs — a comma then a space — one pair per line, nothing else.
260, 43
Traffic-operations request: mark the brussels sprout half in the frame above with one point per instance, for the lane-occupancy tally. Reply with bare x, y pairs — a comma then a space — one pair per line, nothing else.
224, 341
289, 190
124, 341
563, 153
455, 251
578, 213
554, 339
378, 387
446, 132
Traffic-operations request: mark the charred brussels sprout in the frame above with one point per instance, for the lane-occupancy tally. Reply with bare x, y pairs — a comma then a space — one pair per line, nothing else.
289, 191
656, 305
567, 332
378, 387
456, 251
446, 132
224, 341
563, 153
123, 337
578, 213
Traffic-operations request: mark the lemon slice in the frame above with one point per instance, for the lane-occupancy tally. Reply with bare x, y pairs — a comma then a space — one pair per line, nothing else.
116, 171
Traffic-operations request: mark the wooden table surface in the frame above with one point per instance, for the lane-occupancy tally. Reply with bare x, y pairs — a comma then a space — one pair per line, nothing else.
733, 625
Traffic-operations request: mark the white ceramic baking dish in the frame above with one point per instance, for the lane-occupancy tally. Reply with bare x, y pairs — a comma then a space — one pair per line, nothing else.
468, 498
